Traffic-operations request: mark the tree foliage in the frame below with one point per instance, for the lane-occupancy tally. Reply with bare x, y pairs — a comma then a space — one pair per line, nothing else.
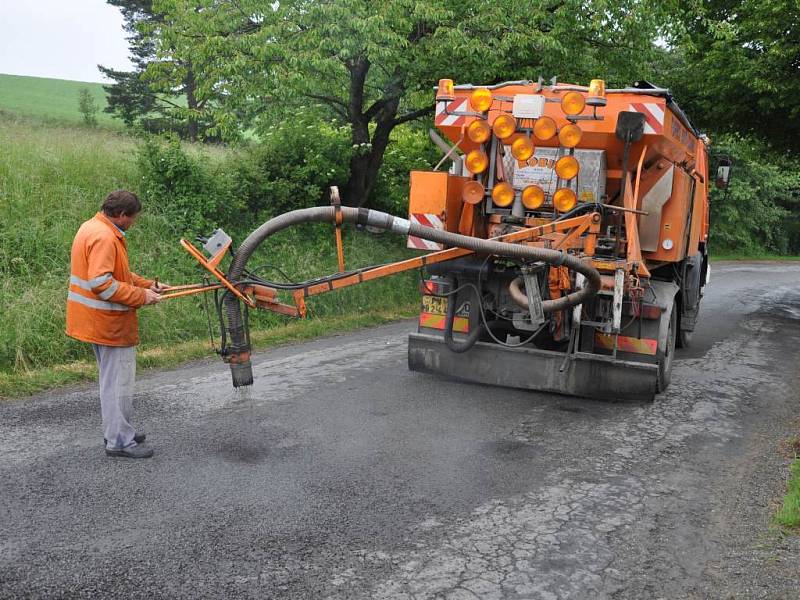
293, 166
239, 187
340, 91
197, 194
87, 107
738, 68
758, 213
159, 93
129, 97
373, 64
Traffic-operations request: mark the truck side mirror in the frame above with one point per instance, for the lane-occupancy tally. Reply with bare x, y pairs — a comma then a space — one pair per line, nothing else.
723, 173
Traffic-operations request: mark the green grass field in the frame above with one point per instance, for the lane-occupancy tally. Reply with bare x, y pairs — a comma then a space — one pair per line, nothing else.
51, 99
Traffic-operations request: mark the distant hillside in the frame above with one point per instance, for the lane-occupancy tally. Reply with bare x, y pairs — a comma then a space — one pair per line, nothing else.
50, 98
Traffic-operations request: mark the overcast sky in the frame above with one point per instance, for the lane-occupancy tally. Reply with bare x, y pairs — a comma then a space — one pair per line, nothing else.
64, 39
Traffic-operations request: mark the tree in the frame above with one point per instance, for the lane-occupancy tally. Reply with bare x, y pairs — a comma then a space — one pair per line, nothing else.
738, 68
137, 96
373, 64
129, 97
88, 107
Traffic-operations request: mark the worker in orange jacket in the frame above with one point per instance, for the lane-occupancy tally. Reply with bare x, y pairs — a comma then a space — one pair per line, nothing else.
101, 310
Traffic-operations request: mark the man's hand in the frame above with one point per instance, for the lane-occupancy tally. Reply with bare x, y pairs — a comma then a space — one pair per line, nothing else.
151, 297
158, 287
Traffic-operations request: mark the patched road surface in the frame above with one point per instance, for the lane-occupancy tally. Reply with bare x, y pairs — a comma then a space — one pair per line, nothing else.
344, 475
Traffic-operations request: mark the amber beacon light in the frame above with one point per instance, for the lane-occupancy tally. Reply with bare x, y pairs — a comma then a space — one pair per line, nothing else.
544, 128
573, 103
504, 126
503, 194
597, 93
532, 197
522, 148
477, 161
481, 100
446, 90
567, 167
473, 192
564, 200
479, 131
570, 135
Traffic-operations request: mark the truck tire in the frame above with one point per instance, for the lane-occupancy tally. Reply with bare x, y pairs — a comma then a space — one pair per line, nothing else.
694, 273
665, 358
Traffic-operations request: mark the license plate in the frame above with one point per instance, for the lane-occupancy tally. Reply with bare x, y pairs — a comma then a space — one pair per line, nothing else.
434, 305
433, 314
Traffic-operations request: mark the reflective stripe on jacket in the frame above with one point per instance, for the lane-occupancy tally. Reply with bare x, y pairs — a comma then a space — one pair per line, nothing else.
103, 292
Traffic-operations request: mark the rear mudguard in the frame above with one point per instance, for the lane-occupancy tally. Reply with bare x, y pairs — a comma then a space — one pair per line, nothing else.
665, 292
584, 374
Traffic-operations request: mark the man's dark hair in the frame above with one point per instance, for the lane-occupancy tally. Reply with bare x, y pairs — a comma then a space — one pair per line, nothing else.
121, 203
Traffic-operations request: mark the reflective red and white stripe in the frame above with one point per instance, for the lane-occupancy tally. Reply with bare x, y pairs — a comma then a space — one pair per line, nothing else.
443, 119
653, 116
426, 220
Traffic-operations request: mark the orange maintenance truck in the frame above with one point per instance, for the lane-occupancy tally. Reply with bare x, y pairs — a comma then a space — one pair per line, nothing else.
565, 249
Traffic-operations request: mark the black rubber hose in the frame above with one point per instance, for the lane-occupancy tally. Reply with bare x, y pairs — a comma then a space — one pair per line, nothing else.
243, 374
450, 317
516, 290
525, 253
581, 208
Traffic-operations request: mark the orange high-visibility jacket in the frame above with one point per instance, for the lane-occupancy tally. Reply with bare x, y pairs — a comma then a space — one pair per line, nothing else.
103, 292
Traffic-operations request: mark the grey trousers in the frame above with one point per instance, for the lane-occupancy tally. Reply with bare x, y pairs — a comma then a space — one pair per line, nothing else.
117, 377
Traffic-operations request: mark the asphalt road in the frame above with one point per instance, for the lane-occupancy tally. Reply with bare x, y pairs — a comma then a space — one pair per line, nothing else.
343, 475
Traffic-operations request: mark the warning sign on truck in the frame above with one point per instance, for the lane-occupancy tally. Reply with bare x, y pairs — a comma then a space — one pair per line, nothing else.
590, 184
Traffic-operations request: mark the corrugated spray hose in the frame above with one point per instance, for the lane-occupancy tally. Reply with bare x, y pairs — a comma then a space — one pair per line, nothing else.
242, 372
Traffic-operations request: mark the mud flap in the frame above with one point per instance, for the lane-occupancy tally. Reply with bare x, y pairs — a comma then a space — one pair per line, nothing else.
665, 292
587, 375
691, 292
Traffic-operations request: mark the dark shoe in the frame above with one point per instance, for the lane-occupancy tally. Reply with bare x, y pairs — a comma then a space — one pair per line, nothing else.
138, 438
131, 452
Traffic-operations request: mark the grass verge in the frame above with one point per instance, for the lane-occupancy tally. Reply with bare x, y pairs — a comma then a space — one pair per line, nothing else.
751, 257
788, 516
19, 384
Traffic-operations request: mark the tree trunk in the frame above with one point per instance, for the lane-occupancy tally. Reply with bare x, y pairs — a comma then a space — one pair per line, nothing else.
190, 85
365, 166
368, 153
354, 189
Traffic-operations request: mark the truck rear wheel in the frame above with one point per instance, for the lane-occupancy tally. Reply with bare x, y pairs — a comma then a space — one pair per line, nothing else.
665, 358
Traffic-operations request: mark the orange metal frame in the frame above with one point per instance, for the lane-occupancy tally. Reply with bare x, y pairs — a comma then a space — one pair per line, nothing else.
179, 291
265, 297
210, 265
